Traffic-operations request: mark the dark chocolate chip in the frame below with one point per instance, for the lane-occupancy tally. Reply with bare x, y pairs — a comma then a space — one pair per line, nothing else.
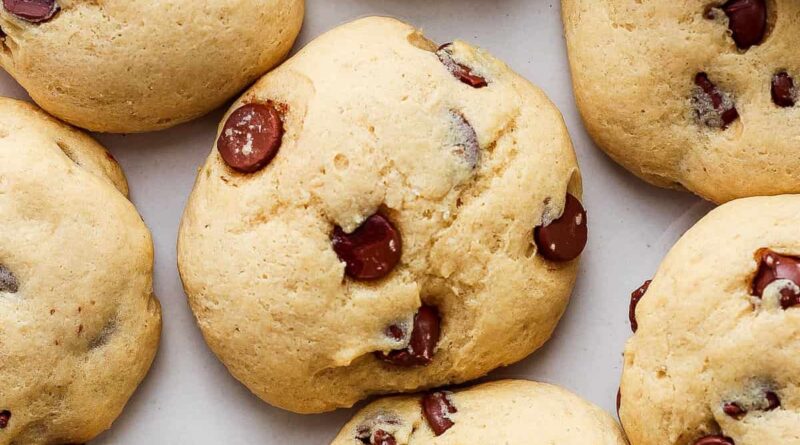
773, 401
251, 137
372, 251
636, 297
714, 108
459, 71
747, 20
714, 440
34, 11
466, 147
565, 238
734, 410
422, 344
783, 91
772, 267
437, 407
8, 282
5, 417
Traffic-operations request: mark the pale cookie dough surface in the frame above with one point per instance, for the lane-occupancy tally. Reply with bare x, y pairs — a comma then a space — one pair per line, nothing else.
131, 66
369, 127
79, 325
634, 64
509, 412
705, 341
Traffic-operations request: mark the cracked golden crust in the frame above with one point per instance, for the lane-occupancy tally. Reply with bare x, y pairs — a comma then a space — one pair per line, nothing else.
501, 412
81, 331
131, 66
703, 340
368, 106
633, 66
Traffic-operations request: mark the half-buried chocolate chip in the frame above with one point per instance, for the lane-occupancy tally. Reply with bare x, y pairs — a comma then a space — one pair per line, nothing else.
774, 267
8, 282
459, 71
636, 297
422, 343
783, 90
714, 108
5, 417
565, 238
372, 251
34, 11
714, 440
381, 437
437, 408
747, 20
251, 137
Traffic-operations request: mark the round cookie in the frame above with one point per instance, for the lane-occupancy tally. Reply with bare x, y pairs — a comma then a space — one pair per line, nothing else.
132, 66
716, 355
692, 94
365, 223
79, 325
503, 412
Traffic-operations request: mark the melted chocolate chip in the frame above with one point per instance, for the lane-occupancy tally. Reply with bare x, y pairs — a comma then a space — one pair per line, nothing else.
714, 440
459, 71
436, 408
565, 238
734, 410
381, 437
772, 267
5, 417
8, 282
466, 146
372, 251
34, 11
783, 91
251, 137
714, 108
636, 297
747, 20
424, 338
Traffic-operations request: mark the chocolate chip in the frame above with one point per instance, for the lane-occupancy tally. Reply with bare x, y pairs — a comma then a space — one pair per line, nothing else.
773, 401
422, 344
772, 267
251, 137
565, 238
636, 297
34, 11
466, 140
459, 71
372, 251
437, 407
714, 440
714, 108
747, 20
734, 410
783, 91
381, 437
8, 282
5, 417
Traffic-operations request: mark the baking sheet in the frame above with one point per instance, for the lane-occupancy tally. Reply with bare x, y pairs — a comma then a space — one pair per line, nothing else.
189, 397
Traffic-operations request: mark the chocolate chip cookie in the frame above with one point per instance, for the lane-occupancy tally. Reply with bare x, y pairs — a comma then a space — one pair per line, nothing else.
692, 94
79, 325
130, 66
503, 412
715, 358
382, 214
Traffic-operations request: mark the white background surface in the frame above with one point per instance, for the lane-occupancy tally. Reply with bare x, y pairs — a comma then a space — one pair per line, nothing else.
189, 397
